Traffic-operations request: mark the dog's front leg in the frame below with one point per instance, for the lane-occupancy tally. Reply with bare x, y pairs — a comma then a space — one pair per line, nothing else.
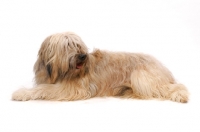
22, 94
40, 92
50, 92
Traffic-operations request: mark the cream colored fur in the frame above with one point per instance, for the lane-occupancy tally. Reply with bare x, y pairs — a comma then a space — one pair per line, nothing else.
61, 74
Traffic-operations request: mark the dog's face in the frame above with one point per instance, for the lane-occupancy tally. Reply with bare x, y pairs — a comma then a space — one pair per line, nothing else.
62, 55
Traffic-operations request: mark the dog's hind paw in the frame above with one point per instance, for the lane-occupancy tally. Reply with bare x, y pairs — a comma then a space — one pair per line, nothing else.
21, 95
180, 96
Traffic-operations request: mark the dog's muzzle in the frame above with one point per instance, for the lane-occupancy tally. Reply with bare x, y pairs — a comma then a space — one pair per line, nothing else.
81, 60
82, 57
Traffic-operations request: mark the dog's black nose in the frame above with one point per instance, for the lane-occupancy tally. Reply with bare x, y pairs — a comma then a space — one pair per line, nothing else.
82, 56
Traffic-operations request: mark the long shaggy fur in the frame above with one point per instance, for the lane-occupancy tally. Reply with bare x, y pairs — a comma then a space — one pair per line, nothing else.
65, 70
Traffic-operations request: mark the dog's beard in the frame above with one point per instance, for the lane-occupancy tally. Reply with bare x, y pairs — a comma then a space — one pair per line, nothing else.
77, 66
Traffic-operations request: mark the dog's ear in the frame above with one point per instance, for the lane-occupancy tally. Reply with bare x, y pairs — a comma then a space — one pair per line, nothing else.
97, 54
41, 73
49, 69
52, 72
44, 73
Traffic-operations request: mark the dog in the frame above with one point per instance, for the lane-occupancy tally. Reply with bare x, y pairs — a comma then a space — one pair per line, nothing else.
65, 71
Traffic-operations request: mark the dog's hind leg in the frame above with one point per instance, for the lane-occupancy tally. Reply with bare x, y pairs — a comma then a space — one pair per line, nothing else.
148, 85
175, 92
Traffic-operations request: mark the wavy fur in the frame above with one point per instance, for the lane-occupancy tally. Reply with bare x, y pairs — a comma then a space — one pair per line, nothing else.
65, 70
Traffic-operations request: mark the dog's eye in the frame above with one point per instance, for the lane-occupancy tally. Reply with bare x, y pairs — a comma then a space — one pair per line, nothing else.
78, 46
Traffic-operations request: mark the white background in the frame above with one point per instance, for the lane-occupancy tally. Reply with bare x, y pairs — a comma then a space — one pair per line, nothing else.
166, 29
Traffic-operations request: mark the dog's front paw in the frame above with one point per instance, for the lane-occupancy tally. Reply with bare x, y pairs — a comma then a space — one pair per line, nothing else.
21, 95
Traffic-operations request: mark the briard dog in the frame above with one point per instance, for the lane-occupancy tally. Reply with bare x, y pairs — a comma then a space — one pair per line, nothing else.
64, 70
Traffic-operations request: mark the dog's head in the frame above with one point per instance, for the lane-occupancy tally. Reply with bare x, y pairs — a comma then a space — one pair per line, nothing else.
62, 55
